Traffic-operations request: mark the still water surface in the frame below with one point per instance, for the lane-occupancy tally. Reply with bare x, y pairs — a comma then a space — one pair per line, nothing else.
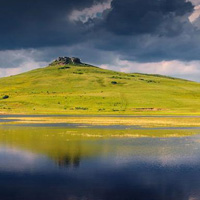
56, 163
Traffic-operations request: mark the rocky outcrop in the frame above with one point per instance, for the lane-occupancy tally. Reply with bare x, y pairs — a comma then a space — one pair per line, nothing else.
68, 60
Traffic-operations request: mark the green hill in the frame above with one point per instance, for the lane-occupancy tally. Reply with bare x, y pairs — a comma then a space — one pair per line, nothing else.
84, 89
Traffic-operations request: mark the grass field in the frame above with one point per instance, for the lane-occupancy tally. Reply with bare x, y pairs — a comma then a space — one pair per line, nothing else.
71, 89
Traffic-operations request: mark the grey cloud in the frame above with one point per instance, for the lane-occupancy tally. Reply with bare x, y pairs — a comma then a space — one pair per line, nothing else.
137, 30
36, 23
147, 16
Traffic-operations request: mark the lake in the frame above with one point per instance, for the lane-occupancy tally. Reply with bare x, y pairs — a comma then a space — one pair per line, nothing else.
39, 162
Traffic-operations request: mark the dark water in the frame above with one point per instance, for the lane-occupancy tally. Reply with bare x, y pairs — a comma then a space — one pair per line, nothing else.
55, 164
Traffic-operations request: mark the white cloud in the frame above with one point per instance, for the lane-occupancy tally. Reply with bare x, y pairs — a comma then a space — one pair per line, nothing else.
187, 70
18, 61
195, 2
93, 12
25, 66
195, 15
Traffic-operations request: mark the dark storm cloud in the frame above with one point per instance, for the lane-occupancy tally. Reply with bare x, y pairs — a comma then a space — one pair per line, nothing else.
139, 30
150, 31
36, 23
147, 16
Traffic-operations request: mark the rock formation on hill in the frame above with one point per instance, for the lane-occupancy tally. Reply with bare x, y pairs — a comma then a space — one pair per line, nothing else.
68, 60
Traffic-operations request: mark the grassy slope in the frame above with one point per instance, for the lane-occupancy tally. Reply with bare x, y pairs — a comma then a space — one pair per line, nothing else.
88, 90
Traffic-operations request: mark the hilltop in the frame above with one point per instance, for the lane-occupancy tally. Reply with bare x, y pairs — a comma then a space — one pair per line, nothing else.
68, 86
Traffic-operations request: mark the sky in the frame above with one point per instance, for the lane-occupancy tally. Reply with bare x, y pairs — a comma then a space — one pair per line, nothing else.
147, 36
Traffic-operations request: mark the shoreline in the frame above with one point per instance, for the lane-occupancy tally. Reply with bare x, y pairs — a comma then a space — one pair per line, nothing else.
96, 115
141, 121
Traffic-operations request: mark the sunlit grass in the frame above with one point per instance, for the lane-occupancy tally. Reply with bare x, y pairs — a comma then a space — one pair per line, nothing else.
90, 90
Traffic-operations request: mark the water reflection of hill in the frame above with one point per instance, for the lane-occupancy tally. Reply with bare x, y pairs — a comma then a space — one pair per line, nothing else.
69, 162
67, 147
